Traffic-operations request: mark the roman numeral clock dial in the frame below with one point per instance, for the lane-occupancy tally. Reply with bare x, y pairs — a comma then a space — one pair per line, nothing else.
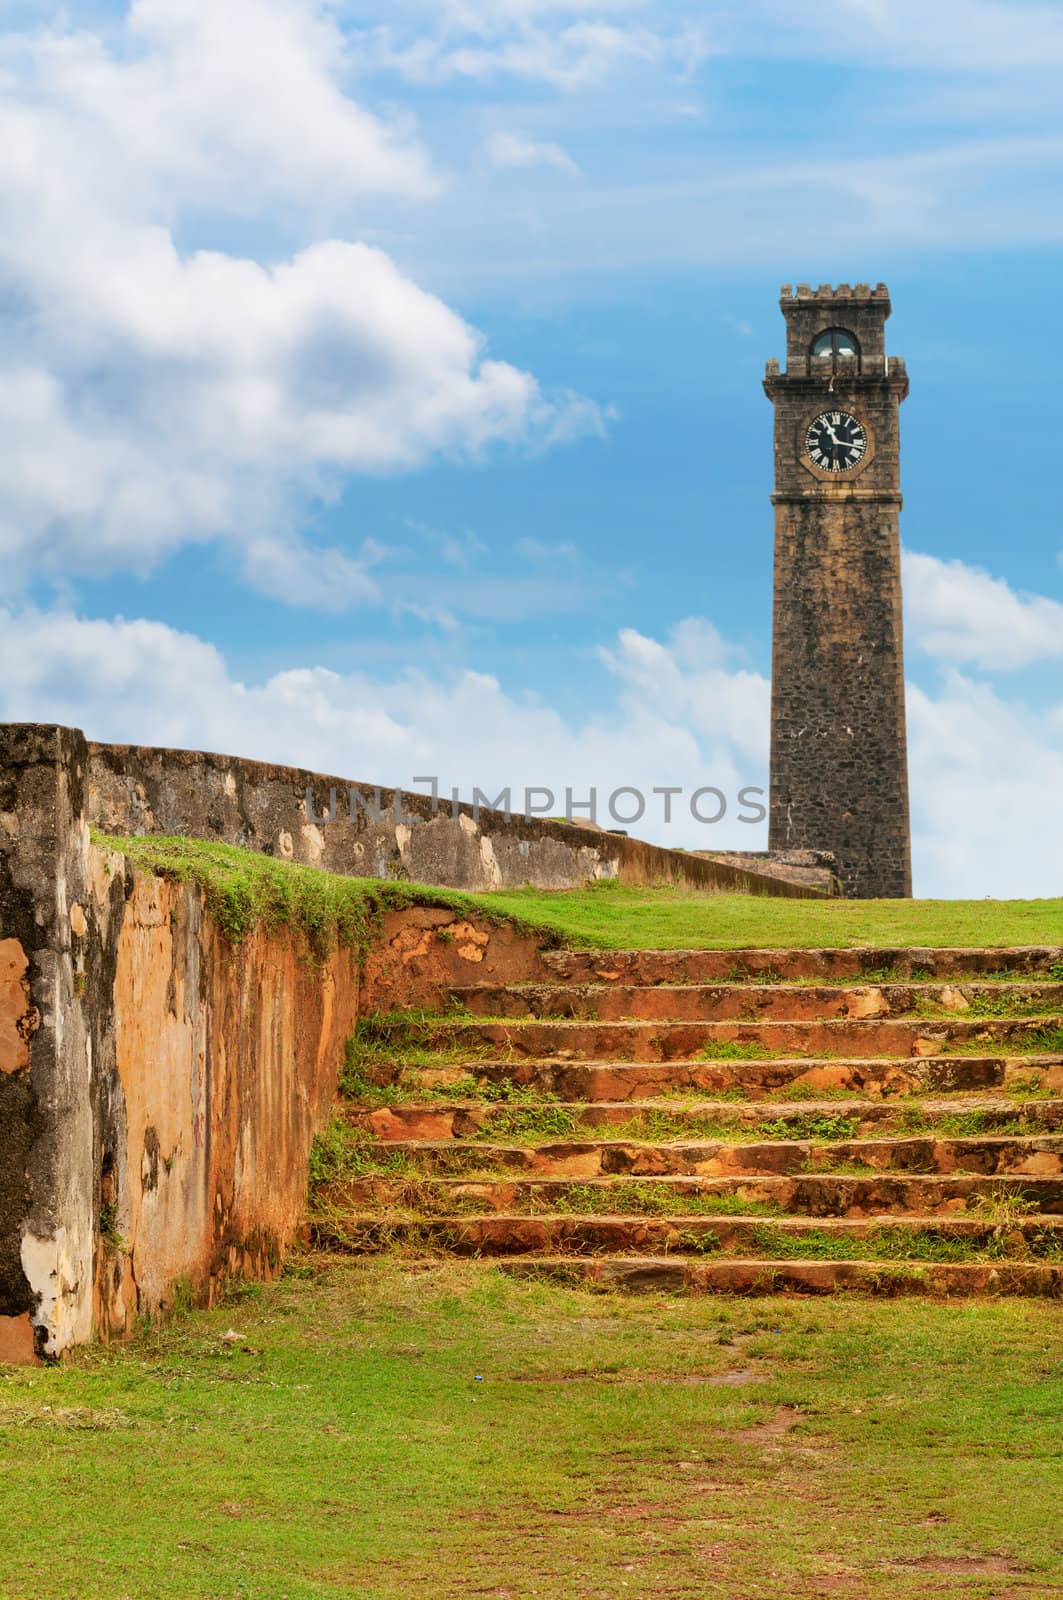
836, 442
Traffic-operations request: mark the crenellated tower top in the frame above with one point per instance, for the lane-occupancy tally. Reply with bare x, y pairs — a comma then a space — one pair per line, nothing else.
840, 330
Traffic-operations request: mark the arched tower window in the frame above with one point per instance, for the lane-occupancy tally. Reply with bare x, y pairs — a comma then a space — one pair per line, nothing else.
836, 342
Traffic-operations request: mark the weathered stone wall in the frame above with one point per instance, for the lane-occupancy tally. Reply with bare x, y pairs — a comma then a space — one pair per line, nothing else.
261, 806
159, 1087
156, 1125
46, 1057
221, 1066
225, 1064
814, 868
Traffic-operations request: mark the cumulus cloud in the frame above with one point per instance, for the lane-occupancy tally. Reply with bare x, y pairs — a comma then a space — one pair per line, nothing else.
986, 776
152, 394
514, 150
231, 103
689, 683
144, 682
965, 616
684, 712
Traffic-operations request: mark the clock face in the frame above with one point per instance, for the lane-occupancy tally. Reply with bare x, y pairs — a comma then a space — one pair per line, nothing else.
836, 442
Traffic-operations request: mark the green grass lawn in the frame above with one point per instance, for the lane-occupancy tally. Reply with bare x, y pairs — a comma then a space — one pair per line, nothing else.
614, 916
244, 887
386, 1432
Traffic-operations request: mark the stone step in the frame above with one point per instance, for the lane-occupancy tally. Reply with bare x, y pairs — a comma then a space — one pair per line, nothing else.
516, 1236
869, 964
467, 1119
993, 1156
804, 1194
617, 1081
667, 1041
752, 1002
674, 1274
740, 1122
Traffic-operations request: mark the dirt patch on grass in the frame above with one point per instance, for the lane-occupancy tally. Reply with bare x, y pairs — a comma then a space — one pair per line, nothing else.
776, 1427
731, 1379
959, 1566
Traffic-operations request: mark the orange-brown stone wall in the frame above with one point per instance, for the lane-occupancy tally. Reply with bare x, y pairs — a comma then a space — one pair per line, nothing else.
225, 1061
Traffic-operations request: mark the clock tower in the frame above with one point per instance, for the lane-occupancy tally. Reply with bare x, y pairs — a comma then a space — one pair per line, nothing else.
839, 766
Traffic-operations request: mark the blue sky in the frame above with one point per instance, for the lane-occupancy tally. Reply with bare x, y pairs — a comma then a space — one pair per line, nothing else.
382, 385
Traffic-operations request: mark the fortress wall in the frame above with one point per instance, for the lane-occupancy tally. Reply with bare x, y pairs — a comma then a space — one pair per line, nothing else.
221, 1066
260, 806
159, 1086
51, 986
225, 1066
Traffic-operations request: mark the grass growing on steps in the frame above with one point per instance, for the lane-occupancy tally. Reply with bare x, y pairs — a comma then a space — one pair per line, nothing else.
637, 1199
902, 1245
387, 1433
1037, 1041
338, 1153
538, 1124
610, 915
739, 1050
389, 1052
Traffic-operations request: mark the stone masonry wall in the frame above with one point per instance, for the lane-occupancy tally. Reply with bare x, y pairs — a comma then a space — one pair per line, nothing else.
160, 1087
261, 806
50, 973
220, 1067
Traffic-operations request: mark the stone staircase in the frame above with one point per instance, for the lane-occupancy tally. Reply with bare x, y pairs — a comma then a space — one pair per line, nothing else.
742, 1122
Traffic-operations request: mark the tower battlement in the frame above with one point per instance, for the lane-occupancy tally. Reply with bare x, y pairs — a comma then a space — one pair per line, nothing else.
857, 316
804, 291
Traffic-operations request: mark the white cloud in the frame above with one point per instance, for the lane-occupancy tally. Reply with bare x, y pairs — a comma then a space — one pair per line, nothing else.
575, 44
538, 550
514, 150
963, 615
151, 395
327, 580
461, 550
568, 44
728, 208
986, 776
986, 772
221, 104
497, 16
688, 683
144, 682
431, 616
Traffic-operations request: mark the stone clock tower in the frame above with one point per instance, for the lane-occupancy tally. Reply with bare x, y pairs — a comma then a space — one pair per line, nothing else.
839, 769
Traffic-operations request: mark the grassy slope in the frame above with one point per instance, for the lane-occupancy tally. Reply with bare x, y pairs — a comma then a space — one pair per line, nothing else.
354, 1452
622, 918
244, 887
